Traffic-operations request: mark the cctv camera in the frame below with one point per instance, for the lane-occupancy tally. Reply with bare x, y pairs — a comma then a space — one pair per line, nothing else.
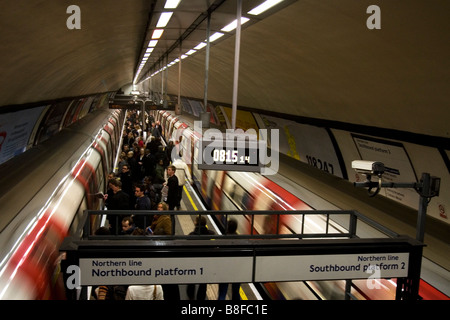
368, 167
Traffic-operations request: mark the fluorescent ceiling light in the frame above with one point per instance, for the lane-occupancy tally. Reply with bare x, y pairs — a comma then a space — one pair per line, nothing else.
171, 4
266, 5
233, 25
164, 19
215, 36
146, 55
149, 50
184, 56
152, 43
191, 52
200, 45
157, 33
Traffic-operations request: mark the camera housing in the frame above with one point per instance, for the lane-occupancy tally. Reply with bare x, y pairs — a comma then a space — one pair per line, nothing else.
368, 167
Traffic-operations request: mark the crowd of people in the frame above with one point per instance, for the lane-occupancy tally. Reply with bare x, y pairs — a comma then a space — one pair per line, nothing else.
148, 178
146, 174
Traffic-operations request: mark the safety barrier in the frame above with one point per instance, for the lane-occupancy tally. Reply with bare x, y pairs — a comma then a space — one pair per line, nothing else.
96, 260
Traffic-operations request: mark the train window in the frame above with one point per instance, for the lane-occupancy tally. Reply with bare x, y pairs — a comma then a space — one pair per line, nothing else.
219, 178
109, 149
77, 220
228, 186
238, 197
195, 170
211, 180
235, 193
171, 128
100, 177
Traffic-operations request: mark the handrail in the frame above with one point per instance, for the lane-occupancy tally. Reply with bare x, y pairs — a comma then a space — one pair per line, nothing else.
353, 219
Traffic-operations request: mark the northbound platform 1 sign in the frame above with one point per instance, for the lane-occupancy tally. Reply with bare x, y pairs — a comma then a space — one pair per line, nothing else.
129, 271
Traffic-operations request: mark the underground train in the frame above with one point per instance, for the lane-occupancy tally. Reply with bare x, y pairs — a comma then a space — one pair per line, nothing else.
231, 191
49, 188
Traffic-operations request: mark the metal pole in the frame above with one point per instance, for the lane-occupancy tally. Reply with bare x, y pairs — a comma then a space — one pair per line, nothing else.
236, 64
423, 204
167, 80
179, 77
208, 32
151, 88
205, 116
162, 82
178, 106
143, 118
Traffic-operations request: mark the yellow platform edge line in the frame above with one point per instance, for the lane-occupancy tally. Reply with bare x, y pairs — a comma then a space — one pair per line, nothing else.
243, 295
190, 198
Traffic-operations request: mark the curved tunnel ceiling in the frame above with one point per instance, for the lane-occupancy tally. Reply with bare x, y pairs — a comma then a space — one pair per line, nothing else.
313, 59
41, 59
318, 59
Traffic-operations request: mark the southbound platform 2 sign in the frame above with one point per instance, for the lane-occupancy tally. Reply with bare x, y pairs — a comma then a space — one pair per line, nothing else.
333, 267
129, 271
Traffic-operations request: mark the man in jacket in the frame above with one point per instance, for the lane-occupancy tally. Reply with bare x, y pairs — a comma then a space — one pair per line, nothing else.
172, 183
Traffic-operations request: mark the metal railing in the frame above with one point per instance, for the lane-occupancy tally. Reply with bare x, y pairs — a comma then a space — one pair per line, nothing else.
345, 228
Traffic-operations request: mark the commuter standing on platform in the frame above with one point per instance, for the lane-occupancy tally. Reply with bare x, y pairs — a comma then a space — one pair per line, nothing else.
172, 183
119, 201
182, 173
127, 184
133, 166
155, 131
161, 224
142, 203
128, 226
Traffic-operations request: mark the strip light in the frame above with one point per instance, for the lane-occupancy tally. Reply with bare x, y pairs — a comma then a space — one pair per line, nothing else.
157, 33
152, 43
233, 25
171, 4
264, 7
216, 36
200, 46
164, 19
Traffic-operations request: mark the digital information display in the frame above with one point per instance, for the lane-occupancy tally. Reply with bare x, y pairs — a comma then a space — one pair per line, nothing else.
230, 155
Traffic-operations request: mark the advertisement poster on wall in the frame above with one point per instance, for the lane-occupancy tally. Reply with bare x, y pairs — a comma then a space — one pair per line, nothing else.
15, 130
309, 144
398, 167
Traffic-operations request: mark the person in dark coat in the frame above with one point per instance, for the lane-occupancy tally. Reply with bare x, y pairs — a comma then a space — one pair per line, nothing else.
142, 203
119, 201
127, 184
172, 183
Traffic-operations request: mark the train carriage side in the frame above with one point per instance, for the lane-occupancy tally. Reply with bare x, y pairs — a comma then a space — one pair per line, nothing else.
31, 268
